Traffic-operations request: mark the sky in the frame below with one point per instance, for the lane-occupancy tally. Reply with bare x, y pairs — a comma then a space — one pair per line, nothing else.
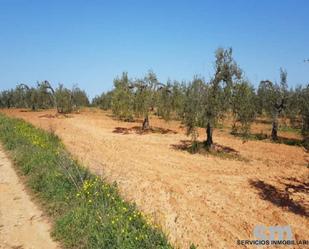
90, 42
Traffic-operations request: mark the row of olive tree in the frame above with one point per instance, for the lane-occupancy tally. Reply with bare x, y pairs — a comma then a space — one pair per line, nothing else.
205, 104
140, 97
44, 96
229, 92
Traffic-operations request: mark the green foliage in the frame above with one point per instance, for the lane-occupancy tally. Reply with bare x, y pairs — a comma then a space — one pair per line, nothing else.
67, 100
207, 103
6, 99
304, 111
87, 212
219, 90
178, 98
39, 97
243, 107
171, 98
196, 104
192, 246
43, 96
79, 97
104, 101
293, 107
273, 99
142, 98
139, 97
145, 96
165, 101
19, 96
272, 96
194, 107
122, 102
64, 100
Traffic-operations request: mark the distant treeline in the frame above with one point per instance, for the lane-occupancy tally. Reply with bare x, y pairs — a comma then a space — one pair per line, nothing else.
44, 96
198, 103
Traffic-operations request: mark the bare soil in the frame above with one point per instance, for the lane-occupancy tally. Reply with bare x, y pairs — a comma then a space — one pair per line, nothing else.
22, 224
208, 200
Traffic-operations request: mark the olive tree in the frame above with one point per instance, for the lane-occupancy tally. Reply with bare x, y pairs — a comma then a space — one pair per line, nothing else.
145, 94
104, 101
219, 91
19, 97
6, 98
304, 111
122, 98
243, 107
164, 101
206, 103
79, 97
32, 97
46, 95
64, 101
293, 106
178, 98
194, 104
273, 97
41, 96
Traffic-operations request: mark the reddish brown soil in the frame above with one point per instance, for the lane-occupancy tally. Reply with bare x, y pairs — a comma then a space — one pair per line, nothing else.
207, 200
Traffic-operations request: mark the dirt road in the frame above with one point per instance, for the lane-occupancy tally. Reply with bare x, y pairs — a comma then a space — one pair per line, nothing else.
206, 200
22, 225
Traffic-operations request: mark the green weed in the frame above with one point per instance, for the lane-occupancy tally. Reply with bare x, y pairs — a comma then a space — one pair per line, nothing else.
86, 211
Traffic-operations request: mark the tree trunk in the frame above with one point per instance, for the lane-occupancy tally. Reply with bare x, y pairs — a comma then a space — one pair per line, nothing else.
274, 130
146, 123
209, 141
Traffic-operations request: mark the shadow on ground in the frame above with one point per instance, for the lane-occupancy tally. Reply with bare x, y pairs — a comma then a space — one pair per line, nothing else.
252, 136
290, 141
218, 150
57, 115
293, 196
263, 136
140, 131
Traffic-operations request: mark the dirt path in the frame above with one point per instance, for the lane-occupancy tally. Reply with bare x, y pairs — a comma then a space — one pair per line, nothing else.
22, 225
207, 200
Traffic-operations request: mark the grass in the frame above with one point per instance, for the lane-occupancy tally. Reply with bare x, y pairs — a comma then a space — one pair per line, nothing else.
290, 129
86, 211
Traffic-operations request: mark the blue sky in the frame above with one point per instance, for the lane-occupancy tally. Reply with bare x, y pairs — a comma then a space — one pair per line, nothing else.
90, 42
